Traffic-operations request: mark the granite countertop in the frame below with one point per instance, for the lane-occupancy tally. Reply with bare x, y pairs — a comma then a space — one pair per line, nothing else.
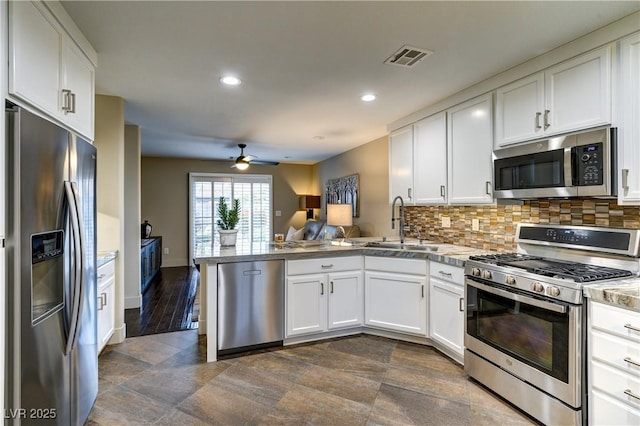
623, 293
106, 256
445, 253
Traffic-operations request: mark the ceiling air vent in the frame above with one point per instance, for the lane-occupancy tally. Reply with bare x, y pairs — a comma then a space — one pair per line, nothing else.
407, 56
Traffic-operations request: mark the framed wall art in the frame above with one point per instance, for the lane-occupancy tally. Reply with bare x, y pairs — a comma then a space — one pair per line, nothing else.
344, 190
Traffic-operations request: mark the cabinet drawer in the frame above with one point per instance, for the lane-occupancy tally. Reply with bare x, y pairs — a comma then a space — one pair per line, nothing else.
446, 272
614, 350
327, 264
604, 410
615, 320
391, 264
614, 383
105, 272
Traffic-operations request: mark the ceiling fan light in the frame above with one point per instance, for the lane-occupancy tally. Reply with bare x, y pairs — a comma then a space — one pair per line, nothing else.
242, 164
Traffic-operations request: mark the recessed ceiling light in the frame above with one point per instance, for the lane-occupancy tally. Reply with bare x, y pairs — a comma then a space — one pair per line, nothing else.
368, 97
230, 80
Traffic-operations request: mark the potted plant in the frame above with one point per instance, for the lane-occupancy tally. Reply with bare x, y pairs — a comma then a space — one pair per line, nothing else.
227, 220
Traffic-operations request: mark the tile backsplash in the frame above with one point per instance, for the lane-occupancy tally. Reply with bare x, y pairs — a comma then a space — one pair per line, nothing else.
497, 223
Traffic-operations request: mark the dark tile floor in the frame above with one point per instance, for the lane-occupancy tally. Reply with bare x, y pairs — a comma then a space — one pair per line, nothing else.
163, 379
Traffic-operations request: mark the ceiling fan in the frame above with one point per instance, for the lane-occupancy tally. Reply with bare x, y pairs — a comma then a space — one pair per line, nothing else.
243, 161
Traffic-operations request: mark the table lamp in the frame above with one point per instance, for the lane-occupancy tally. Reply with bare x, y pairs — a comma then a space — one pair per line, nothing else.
339, 215
308, 203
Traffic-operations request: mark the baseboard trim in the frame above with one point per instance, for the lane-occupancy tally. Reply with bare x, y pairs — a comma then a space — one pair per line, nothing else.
171, 263
119, 335
133, 302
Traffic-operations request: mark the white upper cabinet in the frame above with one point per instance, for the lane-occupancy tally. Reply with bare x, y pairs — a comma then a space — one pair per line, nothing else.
401, 164
573, 95
78, 78
48, 70
629, 125
578, 92
430, 160
418, 161
519, 107
470, 141
34, 55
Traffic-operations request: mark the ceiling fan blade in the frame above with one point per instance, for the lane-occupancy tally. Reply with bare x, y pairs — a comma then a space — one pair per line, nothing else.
265, 163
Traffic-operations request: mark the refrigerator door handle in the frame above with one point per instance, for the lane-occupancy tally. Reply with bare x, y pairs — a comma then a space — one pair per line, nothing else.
77, 284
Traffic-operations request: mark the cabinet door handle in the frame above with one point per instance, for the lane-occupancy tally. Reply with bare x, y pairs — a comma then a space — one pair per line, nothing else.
625, 180
331, 291
409, 193
446, 274
72, 108
546, 119
66, 101
102, 300
632, 362
326, 266
461, 304
631, 394
630, 327
442, 194
487, 187
538, 126
422, 291
321, 289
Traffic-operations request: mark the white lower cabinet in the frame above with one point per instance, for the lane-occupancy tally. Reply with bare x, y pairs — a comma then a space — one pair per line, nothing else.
396, 294
106, 303
613, 365
446, 307
323, 294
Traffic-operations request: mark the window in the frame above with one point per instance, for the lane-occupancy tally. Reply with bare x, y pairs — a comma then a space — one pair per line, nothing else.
205, 190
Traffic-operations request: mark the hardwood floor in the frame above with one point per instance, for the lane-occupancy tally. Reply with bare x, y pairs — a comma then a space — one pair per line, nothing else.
167, 305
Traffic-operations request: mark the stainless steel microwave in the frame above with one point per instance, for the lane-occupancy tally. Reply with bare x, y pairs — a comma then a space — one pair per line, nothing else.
572, 165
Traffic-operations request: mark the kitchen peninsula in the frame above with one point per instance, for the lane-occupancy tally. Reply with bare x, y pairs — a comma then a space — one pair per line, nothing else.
371, 268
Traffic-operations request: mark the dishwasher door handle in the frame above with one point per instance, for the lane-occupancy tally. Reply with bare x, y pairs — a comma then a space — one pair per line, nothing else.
252, 272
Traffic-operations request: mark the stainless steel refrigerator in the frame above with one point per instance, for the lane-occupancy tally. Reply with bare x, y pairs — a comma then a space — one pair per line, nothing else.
51, 350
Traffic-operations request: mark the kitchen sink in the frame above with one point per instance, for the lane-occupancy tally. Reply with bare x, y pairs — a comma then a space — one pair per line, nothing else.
402, 246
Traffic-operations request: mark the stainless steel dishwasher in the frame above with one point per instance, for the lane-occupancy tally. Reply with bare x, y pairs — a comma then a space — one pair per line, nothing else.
250, 305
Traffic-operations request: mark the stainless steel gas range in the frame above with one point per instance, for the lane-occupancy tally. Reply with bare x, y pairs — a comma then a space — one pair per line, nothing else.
525, 330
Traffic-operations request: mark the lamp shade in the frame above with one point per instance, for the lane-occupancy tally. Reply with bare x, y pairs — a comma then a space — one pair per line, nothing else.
339, 214
309, 202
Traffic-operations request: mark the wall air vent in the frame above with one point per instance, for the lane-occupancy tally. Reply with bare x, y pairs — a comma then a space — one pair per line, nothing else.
408, 56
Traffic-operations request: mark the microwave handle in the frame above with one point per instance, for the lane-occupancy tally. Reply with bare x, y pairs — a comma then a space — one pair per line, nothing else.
574, 166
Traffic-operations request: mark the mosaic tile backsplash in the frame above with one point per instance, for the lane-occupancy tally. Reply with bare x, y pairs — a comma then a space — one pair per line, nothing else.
497, 223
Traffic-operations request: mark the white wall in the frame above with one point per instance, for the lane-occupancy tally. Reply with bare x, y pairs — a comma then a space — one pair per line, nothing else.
131, 277
109, 141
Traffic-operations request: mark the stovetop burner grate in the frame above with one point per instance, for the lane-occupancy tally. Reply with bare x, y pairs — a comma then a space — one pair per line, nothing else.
577, 272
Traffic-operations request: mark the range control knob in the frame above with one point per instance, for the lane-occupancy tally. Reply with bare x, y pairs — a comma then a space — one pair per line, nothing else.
486, 274
553, 291
475, 272
510, 280
537, 287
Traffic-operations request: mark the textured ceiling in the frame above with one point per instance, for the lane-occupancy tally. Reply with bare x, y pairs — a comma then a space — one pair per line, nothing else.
304, 65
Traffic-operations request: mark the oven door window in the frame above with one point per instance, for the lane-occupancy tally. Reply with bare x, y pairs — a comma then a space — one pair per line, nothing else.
533, 335
540, 170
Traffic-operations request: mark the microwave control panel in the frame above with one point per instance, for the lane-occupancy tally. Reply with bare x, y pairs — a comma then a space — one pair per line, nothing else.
589, 164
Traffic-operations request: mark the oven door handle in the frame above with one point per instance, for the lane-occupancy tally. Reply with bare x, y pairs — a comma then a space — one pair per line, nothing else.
519, 298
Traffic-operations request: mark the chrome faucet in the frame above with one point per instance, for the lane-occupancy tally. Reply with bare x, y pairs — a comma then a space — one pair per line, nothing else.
401, 218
